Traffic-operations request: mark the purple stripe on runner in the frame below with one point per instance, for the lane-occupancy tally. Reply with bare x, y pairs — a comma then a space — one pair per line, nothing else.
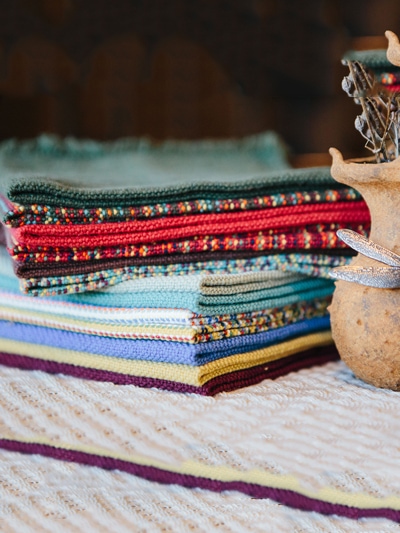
283, 496
224, 383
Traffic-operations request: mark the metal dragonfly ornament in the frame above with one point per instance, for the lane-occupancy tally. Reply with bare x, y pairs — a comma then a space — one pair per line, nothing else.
382, 277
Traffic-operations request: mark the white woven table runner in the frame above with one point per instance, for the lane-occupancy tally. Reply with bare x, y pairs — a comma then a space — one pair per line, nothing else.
320, 425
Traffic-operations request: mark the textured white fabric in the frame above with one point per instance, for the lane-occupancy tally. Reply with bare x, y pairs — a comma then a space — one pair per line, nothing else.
320, 425
44, 495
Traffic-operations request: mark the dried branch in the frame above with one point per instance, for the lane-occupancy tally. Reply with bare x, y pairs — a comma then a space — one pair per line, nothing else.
379, 121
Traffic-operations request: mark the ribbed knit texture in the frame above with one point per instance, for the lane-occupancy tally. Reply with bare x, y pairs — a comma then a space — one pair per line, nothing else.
220, 261
177, 372
225, 382
318, 236
248, 320
20, 216
143, 231
158, 350
175, 245
179, 202
307, 289
173, 188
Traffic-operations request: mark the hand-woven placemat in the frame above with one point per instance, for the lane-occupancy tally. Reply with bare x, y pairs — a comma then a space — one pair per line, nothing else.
77, 278
109, 234
164, 187
226, 382
192, 328
53, 170
317, 440
313, 237
218, 262
188, 374
303, 290
19, 215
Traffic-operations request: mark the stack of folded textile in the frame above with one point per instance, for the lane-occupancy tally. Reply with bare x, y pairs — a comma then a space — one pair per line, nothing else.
197, 267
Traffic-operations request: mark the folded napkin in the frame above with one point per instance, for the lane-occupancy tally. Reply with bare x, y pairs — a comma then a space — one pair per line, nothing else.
157, 324
312, 237
189, 270
122, 350
233, 293
176, 203
23, 215
111, 234
317, 237
50, 281
146, 172
248, 320
224, 374
305, 288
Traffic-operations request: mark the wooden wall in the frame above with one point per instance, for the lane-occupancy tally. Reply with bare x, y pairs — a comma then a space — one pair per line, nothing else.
184, 68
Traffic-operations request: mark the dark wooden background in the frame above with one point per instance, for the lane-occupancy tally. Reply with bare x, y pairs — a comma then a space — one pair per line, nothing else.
185, 68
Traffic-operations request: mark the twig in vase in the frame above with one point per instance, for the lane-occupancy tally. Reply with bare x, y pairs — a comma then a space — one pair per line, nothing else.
379, 120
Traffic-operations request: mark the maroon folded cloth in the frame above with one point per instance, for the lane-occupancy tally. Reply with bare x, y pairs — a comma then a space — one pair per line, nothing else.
39, 270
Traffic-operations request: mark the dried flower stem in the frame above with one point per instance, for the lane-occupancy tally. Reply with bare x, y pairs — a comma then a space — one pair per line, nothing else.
379, 121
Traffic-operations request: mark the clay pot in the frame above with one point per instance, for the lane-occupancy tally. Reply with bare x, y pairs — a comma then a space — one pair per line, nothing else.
366, 320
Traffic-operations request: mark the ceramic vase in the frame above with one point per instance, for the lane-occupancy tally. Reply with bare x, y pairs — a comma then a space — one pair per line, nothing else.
366, 320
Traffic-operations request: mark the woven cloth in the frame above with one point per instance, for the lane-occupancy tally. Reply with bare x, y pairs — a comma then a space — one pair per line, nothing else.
149, 180
166, 323
64, 308
318, 440
109, 234
210, 184
221, 262
71, 497
194, 330
47, 284
272, 277
168, 204
310, 264
19, 216
28, 355
271, 321
157, 350
191, 292
292, 292
174, 170
225, 382
317, 236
